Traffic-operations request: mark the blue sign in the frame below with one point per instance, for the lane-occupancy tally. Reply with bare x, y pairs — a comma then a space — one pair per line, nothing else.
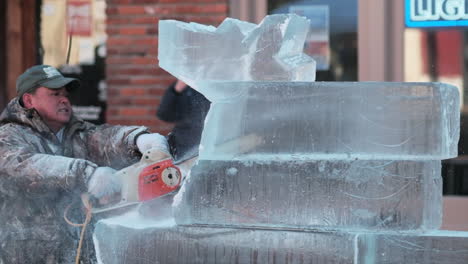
436, 13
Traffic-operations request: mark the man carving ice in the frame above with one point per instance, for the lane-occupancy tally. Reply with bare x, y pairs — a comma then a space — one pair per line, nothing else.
48, 157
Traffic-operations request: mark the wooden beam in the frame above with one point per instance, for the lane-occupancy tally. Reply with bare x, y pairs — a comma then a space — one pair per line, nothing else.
3, 51
21, 48
380, 38
14, 44
29, 31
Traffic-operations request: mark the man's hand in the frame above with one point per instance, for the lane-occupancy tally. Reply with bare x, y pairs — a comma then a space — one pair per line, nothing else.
153, 141
104, 182
180, 86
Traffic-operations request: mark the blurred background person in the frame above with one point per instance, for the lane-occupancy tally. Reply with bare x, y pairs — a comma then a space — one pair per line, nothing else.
187, 109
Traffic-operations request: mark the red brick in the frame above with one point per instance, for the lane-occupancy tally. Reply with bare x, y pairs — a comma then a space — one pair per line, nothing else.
115, 60
160, 71
133, 30
116, 40
110, 2
112, 111
160, 90
134, 111
147, 40
192, 1
207, 20
110, 31
152, 30
116, 20
156, 69
215, 8
146, 1
111, 51
131, 51
144, 60
134, 71
132, 91
132, 48
147, 101
111, 81
192, 9
112, 91
152, 51
183, 13
153, 20
146, 80
142, 51
111, 10
119, 100
131, 10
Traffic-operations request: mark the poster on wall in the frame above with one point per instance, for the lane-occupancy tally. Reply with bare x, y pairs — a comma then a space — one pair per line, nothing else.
79, 18
317, 43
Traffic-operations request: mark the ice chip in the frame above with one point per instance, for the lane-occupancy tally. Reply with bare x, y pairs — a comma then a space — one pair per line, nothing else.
236, 50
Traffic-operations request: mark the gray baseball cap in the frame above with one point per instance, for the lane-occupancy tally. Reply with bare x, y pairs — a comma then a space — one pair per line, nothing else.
43, 75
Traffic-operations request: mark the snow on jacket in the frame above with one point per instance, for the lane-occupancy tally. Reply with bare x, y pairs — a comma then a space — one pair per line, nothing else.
40, 175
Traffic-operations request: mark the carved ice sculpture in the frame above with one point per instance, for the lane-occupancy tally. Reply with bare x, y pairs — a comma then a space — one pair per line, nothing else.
287, 153
236, 50
295, 171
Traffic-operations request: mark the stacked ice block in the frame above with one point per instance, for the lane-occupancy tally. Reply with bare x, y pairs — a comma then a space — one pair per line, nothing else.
294, 171
323, 155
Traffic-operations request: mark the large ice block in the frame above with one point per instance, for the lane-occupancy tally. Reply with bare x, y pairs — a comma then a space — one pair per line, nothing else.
236, 50
331, 120
162, 243
295, 194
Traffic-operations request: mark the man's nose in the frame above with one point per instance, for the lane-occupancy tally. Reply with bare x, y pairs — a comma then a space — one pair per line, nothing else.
64, 100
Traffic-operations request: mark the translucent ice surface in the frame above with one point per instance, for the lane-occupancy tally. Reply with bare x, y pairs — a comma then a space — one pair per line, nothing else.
236, 50
331, 120
431, 247
329, 194
125, 245
203, 245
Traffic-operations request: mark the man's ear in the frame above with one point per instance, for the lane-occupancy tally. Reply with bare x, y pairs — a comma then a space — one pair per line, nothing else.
27, 100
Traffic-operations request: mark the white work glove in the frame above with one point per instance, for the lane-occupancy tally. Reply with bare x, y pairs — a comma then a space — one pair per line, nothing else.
153, 141
104, 182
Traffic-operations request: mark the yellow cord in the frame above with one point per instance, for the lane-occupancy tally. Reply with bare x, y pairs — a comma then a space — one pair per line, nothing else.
88, 207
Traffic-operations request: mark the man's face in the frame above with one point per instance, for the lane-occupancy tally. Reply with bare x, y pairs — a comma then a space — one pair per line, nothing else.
53, 106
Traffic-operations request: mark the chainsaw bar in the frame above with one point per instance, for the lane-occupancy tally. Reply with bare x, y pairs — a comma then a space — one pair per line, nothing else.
113, 207
130, 205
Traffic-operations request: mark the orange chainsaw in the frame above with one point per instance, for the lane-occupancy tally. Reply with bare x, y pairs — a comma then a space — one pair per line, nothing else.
154, 176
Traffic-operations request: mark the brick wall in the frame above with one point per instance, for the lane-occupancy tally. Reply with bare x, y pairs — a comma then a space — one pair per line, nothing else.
135, 81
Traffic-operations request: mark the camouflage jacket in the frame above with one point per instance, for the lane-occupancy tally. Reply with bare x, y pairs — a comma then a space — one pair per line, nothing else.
40, 175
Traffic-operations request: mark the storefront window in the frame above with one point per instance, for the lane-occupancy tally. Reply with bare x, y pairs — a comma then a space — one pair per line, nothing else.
72, 38
332, 39
441, 55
